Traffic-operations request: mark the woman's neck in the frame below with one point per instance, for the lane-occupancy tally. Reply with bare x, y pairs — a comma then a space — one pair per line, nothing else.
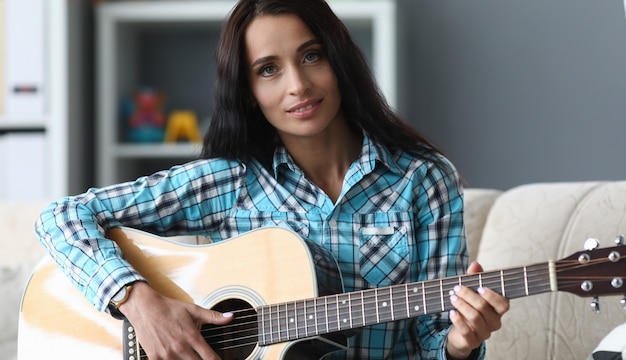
325, 158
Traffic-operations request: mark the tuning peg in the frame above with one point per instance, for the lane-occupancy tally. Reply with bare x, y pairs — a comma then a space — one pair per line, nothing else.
619, 240
595, 305
623, 302
591, 244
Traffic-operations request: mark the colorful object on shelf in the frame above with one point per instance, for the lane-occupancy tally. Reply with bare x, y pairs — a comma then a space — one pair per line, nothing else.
147, 121
182, 125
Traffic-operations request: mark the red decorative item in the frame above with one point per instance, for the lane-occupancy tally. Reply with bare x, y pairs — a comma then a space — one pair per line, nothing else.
147, 121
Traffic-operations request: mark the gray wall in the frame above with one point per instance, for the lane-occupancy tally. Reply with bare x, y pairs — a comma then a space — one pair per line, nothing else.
517, 91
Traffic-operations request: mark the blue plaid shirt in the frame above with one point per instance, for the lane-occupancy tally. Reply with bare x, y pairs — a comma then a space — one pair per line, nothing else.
220, 199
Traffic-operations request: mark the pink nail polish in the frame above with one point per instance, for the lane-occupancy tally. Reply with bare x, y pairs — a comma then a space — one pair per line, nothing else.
227, 314
481, 290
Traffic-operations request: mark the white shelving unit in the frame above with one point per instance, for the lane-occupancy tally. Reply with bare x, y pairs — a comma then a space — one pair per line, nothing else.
169, 45
41, 172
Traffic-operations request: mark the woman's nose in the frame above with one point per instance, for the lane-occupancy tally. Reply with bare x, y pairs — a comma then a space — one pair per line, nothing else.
298, 81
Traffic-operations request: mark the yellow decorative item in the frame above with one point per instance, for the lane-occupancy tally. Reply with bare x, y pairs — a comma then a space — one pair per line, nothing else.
182, 125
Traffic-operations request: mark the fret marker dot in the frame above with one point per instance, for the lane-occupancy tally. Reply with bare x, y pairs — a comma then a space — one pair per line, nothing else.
451, 292
345, 321
343, 302
310, 317
414, 290
417, 308
291, 320
384, 304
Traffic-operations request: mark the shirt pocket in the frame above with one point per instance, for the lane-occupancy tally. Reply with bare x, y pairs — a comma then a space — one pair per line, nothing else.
384, 255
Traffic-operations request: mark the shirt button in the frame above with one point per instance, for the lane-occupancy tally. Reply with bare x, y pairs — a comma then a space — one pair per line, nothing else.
332, 223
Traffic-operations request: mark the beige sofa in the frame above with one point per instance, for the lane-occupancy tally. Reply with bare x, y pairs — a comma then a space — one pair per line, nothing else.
536, 223
525, 225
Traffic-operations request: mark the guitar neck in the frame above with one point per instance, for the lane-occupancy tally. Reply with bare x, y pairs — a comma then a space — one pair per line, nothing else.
317, 316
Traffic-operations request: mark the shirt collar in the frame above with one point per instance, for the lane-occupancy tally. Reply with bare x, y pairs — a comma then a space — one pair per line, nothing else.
372, 153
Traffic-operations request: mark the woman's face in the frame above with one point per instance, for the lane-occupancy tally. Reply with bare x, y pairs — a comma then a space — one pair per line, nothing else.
290, 77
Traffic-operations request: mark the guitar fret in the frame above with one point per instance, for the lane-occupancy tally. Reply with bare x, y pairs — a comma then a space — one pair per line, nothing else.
434, 301
274, 324
376, 305
363, 309
285, 318
447, 290
326, 314
292, 325
370, 307
316, 315
350, 310
356, 310
300, 315
384, 305
503, 292
338, 307
321, 316
310, 318
406, 297
443, 306
332, 314
344, 313
525, 280
282, 328
397, 302
541, 281
424, 299
262, 325
391, 303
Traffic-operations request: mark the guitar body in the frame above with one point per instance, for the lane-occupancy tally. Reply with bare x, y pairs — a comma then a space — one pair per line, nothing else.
266, 266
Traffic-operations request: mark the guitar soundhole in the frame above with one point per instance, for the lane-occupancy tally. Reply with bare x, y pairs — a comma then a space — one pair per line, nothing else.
237, 339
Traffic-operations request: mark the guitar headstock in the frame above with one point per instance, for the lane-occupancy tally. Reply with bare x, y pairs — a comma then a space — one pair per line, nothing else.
594, 272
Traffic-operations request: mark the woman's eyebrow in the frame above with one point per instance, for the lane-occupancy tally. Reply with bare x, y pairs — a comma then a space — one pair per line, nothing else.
303, 46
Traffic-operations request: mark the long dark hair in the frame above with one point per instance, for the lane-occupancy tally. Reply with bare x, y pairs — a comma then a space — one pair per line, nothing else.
238, 129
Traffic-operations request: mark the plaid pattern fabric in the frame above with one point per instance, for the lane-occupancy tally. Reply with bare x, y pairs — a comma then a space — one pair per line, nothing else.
398, 219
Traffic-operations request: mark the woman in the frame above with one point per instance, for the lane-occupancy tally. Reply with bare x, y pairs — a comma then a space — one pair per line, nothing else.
300, 137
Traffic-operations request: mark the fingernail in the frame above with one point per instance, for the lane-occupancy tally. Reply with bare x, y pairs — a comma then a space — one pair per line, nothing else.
452, 313
481, 290
227, 314
454, 298
457, 288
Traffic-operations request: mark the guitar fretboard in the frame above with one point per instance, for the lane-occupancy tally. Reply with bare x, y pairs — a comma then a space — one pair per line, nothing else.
327, 314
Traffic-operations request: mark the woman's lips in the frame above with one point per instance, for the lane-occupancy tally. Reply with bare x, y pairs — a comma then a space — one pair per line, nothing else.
305, 110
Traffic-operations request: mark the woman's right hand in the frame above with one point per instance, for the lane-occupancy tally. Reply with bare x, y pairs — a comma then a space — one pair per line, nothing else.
169, 328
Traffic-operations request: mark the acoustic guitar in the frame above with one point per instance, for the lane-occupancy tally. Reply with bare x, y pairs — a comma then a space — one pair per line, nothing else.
286, 294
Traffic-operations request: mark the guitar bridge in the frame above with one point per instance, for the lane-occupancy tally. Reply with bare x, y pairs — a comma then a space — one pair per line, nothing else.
132, 349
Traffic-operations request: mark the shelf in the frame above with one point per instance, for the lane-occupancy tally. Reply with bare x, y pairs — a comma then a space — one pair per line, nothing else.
22, 125
157, 151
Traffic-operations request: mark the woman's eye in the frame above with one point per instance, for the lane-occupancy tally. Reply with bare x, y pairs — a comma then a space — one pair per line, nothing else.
267, 70
312, 56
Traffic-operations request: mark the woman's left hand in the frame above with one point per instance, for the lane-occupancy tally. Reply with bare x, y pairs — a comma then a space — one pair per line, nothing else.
475, 317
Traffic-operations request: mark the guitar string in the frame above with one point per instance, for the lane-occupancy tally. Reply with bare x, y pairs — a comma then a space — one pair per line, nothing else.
534, 274
487, 281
